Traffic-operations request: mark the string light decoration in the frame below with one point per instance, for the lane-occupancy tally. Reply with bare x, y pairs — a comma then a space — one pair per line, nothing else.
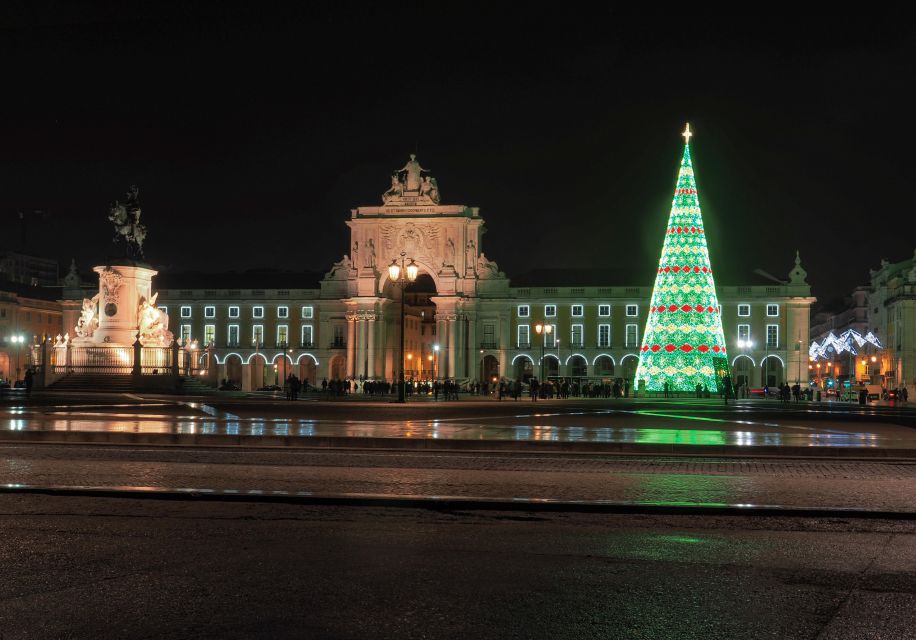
683, 344
847, 341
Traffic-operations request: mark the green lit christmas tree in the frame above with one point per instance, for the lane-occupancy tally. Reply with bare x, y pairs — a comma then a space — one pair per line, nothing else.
683, 343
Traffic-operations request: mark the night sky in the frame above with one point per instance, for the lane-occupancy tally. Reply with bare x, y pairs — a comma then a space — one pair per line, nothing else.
252, 132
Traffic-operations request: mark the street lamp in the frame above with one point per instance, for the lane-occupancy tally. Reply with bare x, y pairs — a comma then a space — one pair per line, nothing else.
546, 329
436, 363
402, 275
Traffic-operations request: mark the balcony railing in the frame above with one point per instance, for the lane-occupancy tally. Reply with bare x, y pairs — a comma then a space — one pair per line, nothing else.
524, 345
576, 345
305, 345
338, 344
489, 345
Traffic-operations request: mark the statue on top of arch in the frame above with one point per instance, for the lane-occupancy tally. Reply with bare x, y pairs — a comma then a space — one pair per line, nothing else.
409, 186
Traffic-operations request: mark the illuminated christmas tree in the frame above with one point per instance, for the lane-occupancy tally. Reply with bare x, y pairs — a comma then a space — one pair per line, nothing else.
683, 343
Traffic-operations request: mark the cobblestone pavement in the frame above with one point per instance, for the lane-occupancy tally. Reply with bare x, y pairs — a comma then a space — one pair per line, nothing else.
692, 480
119, 568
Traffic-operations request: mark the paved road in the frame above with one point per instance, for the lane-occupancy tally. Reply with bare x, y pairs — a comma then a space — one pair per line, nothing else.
874, 485
108, 568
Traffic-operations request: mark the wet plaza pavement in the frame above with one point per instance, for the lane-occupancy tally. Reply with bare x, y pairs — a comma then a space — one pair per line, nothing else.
700, 424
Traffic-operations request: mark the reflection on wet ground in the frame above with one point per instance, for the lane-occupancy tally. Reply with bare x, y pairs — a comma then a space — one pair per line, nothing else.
602, 426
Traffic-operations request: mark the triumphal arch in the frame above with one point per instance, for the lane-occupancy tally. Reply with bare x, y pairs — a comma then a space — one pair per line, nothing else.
445, 240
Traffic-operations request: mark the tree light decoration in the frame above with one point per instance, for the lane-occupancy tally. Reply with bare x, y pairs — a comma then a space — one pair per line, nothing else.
847, 341
683, 344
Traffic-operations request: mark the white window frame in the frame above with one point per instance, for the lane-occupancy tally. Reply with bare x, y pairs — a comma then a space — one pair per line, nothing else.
572, 335
580, 307
211, 328
524, 311
746, 330
209, 311
604, 311
747, 308
257, 312
233, 312
526, 329
550, 339
547, 311
772, 305
255, 329
164, 309
185, 311
605, 343
185, 333
776, 331
311, 331
635, 341
308, 312
635, 308
283, 328
229, 332
283, 312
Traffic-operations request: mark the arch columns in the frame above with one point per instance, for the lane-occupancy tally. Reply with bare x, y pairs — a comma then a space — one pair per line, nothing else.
351, 343
370, 348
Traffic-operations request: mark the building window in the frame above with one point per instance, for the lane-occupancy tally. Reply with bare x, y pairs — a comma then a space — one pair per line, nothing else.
163, 309
631, 337
773, 336
524, 336
185, 333
604, 310
209, 334
744, 333
524, 311
257, 312
186, 312
307, 335
282, 312
489, 336
550, 311
308, 313
577, 311
209, 312
744, 310
772, 310
632, 310
339, 339
233, 312
233, 335
575, 335
550, 339
257, 334
604, 335
282, 334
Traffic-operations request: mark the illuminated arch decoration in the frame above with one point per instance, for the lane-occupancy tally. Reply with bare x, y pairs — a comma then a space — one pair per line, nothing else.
307, 355
229, 355
683, 344
604, 355
523, 355
850, 340
552, 355
773, 355
281, 355
629, 355
743, 355
576, 355
257, 355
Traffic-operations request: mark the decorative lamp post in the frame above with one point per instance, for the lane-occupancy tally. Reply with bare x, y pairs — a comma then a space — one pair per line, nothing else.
546, 329
18, 341
402, 275
436, 363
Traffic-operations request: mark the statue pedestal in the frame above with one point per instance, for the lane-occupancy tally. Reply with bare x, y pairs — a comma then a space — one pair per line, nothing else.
120, 289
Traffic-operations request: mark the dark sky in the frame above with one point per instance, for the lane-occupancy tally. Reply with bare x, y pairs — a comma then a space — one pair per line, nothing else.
252, 131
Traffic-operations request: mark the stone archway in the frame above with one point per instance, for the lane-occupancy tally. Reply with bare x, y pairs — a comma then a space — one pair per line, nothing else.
772, 372
577, 366
629, 363
489, 369
742, 368
234, 368
551, 367
306, 371
258, 366
523, 367
603, 367
337, 367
